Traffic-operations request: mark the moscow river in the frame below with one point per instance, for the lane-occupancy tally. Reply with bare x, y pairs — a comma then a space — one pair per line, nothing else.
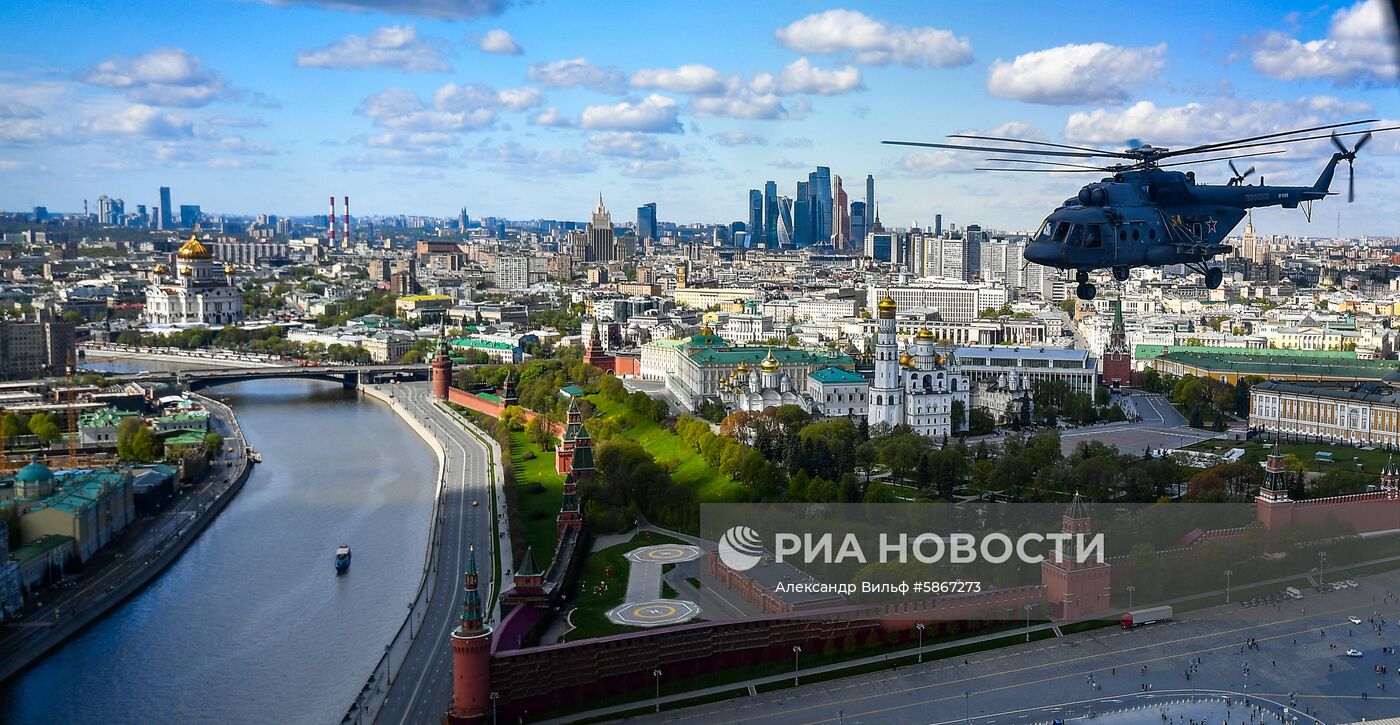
251, 624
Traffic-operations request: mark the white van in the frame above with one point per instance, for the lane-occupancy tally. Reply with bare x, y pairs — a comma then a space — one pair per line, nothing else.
1293, 592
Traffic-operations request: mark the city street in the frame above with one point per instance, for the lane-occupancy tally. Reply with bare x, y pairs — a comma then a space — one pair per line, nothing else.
421, 691
1067, 676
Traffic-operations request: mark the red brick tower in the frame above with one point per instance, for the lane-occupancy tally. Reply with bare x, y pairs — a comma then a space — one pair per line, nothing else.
593, 352
442, 369
564, 453
569, 518
471, 657
1117, 358
1075, 589
1272, 506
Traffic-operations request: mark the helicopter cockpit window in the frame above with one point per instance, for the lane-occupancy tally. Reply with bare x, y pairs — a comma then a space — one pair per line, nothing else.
1044, 229
1093, 236
1076, 235
1061, 232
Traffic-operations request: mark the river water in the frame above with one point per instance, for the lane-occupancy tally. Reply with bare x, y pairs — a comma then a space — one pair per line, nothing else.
251, 624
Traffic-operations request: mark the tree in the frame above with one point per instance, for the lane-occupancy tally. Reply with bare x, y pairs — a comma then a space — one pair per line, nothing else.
12, 426
213, 443
980, 422
879, 493
44, 426
136, 443
412, 357
957, 417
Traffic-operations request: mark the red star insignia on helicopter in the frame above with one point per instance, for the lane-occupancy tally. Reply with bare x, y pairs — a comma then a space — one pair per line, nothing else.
1210, 225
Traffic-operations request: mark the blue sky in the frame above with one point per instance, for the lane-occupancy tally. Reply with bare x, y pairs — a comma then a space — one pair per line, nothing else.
529, 110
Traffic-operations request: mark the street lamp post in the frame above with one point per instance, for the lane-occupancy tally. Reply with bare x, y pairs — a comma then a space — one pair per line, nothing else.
1227, 585
796, 658
1321, 562
1028, 622
656, 675
494, 696
920, 627
1130, 589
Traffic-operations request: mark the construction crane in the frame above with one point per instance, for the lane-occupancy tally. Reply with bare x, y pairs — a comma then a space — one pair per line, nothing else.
72, 416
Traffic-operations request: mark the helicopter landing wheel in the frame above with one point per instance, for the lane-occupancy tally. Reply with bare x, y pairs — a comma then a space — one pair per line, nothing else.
1213, 277
1085, 291
1120, 274
1082, 277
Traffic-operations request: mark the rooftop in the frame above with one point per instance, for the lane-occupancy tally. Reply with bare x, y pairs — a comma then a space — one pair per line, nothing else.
837, 375
1265, 365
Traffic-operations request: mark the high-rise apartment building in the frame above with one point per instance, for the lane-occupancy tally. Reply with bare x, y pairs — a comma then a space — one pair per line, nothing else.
646, 222
869, 195
35, 346
785, 230
770, 215
165, 220
512, 271
755, 223
859, 224
600, 235
110, 211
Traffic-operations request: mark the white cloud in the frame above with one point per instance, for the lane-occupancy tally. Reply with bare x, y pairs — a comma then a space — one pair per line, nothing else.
407, 157
551, 116
747, 104
10, 108
499, 41
1197, 123
577, 72
444, 9
631, 145
738, 138
140, 121
512, 158
395, 139
787, 164
1076, 73
795, 143
696, 78
870, 41
7, 165
802, 77
455, 107
240, 145
658, 169
1359, 48
161, 77
654, 114
394, 46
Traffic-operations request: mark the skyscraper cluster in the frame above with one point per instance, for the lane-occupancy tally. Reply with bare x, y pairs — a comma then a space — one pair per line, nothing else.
820, 213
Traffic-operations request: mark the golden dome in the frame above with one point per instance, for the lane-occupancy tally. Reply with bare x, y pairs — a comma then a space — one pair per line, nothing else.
193, 249
186, 271
228, 269
886, 306
923, 334
743, 368
769, 364
160, 269
906, 359
705, 330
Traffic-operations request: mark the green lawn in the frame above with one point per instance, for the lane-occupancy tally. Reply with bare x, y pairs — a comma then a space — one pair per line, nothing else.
609, 567
537, 510
1371, 461
693, 470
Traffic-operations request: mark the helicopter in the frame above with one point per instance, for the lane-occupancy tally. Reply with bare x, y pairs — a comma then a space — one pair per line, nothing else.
1145, 215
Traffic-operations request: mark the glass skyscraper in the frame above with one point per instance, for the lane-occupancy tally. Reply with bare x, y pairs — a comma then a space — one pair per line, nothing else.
819, 204
646, 222
755, 226
165, 220
801, 217
770, 215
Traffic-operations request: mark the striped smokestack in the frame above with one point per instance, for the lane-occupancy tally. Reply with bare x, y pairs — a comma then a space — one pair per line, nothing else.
345, 223
332, 225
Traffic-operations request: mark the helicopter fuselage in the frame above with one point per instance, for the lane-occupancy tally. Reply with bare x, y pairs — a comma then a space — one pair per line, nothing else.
1155, 218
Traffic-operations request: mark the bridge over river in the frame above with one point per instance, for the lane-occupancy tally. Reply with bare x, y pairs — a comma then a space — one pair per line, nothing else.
348, 375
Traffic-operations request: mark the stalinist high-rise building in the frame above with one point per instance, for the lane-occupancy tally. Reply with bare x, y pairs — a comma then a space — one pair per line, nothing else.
600, 235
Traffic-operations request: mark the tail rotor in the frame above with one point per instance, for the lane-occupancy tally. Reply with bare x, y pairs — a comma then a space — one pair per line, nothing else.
1349, 155
1239, 178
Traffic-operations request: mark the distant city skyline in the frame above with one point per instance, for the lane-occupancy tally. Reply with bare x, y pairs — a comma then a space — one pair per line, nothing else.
531, 110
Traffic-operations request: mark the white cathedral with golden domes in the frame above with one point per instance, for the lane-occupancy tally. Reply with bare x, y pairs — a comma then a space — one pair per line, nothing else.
914, 388
754, 391
200, 291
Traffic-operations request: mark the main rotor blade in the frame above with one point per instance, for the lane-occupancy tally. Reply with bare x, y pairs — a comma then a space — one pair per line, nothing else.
1351, 183
1049, 163
993, 149
1223, 158
1039, 143
1043, 171
1218, 144
1274, 143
